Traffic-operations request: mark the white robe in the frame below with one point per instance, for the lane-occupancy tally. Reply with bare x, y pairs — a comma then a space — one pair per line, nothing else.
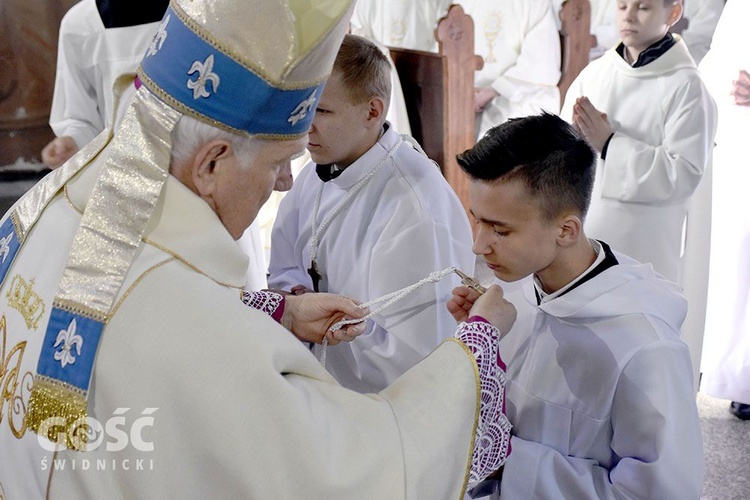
89, 60
702, 17
243, 410
400, 23
664, 123
600, 392
405, 224
726, 361
520, 44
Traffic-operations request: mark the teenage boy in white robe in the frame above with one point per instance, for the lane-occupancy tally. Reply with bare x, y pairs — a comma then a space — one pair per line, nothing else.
520, 44
404, 224
599, 385
645, 110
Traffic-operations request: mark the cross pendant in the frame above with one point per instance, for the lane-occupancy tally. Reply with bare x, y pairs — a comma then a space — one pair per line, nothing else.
315, 275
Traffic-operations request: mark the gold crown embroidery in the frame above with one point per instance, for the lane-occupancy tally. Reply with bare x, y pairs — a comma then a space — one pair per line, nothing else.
21, 296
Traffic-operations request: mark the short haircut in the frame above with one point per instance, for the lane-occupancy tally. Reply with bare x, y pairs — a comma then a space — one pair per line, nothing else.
365, 71
544, 152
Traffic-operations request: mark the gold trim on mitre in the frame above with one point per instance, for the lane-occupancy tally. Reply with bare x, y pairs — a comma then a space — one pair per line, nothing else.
272, 50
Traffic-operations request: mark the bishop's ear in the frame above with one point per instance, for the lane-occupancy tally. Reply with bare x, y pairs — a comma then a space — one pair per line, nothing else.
206, 163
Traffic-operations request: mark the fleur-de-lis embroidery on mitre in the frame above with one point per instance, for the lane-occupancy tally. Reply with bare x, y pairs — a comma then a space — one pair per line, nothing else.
302, 109
159, 38
68, 338
5, 247
205, 75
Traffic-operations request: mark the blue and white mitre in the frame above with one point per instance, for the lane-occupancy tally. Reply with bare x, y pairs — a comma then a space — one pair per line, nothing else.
252, 68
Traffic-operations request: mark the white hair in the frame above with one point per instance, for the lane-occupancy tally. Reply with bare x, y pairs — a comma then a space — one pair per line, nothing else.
190, 134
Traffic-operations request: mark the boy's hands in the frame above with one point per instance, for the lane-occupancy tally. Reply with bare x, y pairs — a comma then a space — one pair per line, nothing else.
491, 305
592, 123
741, 90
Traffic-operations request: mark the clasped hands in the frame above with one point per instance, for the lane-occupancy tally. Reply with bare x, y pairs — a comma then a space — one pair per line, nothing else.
591, 123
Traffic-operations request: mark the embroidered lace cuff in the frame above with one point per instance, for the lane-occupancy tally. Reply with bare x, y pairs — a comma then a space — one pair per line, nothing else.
492, 441
270, 303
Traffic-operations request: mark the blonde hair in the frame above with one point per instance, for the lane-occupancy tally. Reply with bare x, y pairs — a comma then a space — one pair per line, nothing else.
364, 70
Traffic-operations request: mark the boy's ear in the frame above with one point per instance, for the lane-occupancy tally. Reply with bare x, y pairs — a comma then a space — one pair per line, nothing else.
203, 169
377, 110
675, 13
571, 229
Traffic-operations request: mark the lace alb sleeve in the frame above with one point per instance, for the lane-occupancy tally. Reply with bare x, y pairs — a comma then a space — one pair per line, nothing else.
271, 303
492, 441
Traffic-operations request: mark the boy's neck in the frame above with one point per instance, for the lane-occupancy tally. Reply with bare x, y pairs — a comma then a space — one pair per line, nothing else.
655, 50
367, 145
569, 265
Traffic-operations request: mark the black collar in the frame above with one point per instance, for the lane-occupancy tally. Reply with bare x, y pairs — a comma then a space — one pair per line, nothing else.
121, 14
609, 261
328, 172
652, 53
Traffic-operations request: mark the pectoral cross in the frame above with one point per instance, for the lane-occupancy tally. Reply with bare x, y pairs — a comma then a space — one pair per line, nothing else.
315, 275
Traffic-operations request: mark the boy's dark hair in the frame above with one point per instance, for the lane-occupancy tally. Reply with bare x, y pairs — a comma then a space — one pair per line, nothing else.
364, 69
543, 151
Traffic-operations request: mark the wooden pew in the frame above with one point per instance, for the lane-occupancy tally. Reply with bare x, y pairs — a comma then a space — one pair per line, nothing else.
575, 41
439, 87
439, 92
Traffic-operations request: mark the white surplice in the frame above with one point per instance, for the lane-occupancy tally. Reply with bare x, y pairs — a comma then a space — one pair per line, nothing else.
89, 60
726, 361
600, 391
664, 122
702, 17
400, 23
520, 44
403, 225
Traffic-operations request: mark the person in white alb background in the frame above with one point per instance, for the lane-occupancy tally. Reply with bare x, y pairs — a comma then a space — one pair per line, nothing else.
520, 44
383, 218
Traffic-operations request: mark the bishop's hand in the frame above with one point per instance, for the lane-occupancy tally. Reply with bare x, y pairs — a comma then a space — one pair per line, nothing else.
309, 316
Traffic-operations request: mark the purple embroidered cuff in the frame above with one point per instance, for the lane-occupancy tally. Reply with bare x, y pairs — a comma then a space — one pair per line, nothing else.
492, 441
271, 303
477, 318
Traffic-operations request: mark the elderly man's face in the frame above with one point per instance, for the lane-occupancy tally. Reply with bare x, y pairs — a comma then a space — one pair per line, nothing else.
242, 189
